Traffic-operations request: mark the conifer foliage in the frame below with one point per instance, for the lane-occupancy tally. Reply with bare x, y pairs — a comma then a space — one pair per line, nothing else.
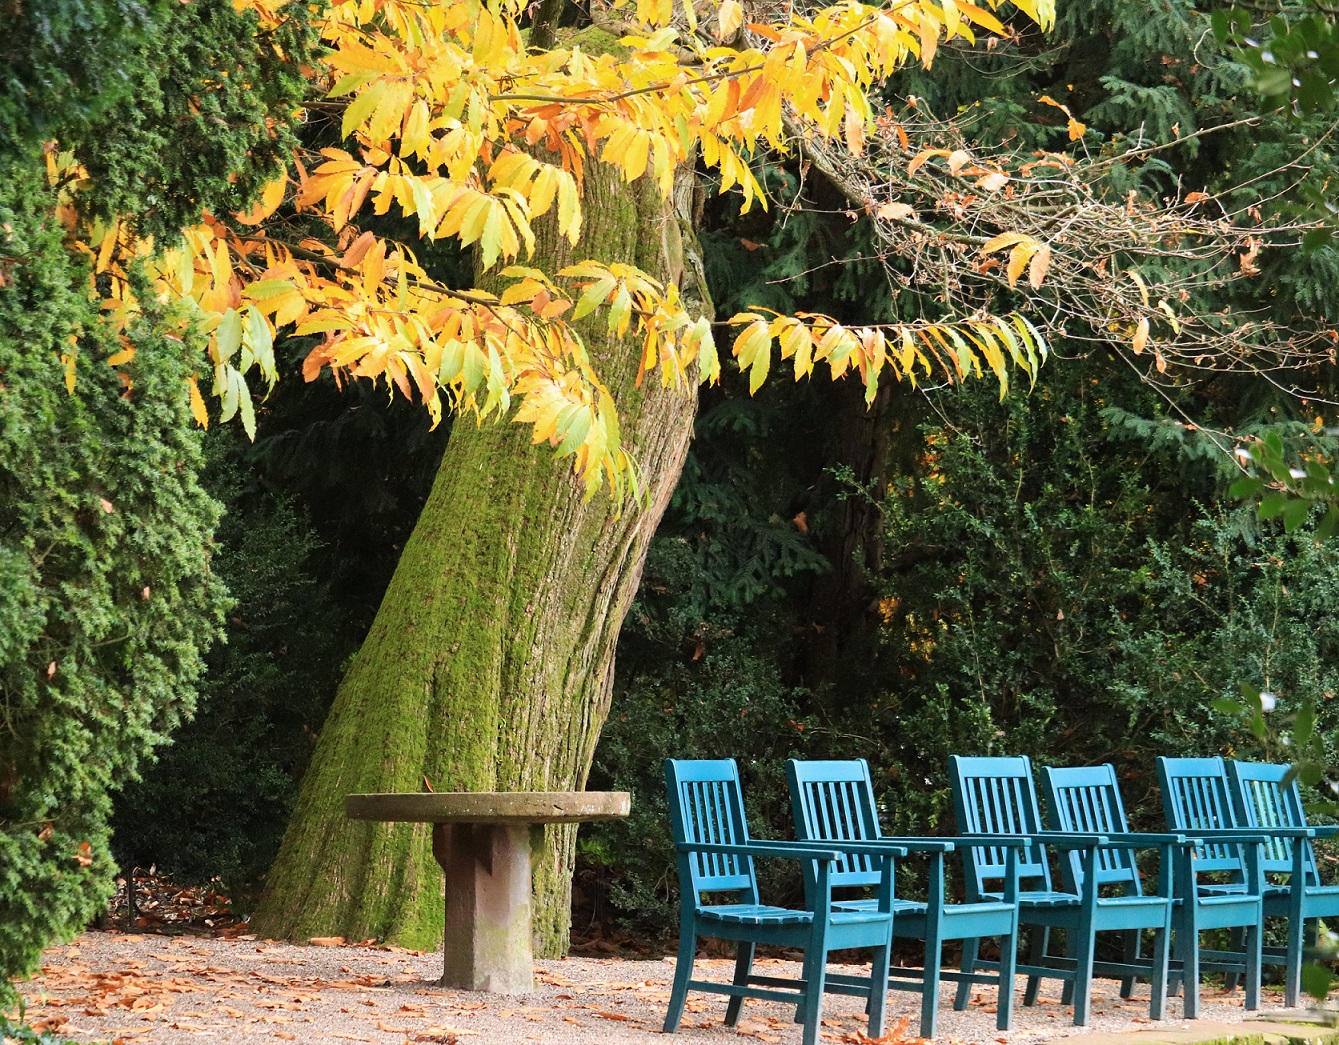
107, 599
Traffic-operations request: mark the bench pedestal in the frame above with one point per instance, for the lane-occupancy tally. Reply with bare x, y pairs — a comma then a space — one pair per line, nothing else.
487, 868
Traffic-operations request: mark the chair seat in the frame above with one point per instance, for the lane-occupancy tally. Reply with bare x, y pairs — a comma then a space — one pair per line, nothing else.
1236, 889
1039, 898
899, 906
1115, 902
915, 907
754, 914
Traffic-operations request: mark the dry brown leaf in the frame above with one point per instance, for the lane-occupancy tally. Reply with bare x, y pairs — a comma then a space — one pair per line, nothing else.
1140, 339
326, 941
894, 212
1037, 267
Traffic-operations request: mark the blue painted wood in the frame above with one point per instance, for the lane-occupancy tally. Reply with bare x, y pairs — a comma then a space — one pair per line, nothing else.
715, 855
998, 795
1196, 800
1088, 799
1265, 799
833, 801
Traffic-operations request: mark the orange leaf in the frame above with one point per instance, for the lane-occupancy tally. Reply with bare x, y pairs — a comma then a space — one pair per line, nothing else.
894, 212
357, 250
1141, 338
1041, 261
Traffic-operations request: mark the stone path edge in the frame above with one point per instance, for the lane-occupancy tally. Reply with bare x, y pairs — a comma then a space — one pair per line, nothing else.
1302, 1027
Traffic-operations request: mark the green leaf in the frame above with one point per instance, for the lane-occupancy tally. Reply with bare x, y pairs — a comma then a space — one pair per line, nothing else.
1228, 706
228, 336
1326, 528
1305, 725
1273, 505
362, 107
1246, 486
1316, 980
593, 297
1295, 512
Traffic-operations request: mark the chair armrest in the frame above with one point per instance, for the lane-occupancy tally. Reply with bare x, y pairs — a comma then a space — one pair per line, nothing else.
863, 847
922, 845
1150, 840
976, 841
1234, 834
1325, 830
787, 851
1077, 840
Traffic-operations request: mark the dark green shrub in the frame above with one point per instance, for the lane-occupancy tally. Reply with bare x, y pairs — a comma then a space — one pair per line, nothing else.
107, 596
1056, 588
215, 802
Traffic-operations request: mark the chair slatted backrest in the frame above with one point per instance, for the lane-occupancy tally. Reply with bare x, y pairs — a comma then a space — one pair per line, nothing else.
834, 801
996, 796
1195, 797
707, 805
1087, 800
1263, 801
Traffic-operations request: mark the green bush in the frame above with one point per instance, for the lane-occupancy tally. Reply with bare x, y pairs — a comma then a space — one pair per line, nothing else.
108, 593
1056, 588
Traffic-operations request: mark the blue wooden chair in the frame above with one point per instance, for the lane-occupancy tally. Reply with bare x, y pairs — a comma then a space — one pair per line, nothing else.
834, 802
1265, 800
997, 796
1087, 799
715, 855
1196, 799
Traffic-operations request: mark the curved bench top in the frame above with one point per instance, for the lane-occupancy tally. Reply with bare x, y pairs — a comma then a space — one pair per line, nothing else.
490, 807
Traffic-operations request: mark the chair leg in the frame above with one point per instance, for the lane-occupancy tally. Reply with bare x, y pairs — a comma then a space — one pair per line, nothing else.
1131, 956
1041, 939
743, 966
1157, 1006
816, 961
971, 949
1083, 948
1236, 941
683, 972
1292, 973
1008, 964
1188, 951
1254, 945
934, 957
878, 989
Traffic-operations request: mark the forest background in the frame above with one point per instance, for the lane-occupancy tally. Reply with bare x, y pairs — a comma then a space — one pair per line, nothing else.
1061, 573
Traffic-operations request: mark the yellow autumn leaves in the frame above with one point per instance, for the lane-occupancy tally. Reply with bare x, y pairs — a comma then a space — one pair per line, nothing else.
449, 120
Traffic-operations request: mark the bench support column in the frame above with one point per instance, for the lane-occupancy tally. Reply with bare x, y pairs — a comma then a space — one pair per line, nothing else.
487, 869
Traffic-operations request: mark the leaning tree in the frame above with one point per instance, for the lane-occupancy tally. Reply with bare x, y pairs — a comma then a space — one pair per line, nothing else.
571, 163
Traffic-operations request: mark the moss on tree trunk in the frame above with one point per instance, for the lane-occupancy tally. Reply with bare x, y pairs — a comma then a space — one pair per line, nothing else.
490, 661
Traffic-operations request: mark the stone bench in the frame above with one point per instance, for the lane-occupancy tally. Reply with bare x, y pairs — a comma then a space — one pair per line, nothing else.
482, 840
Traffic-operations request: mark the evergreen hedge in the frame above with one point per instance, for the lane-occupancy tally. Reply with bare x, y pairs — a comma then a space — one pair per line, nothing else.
106, 594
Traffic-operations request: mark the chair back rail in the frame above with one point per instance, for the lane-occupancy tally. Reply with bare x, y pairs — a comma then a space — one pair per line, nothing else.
1087, 800
1195, 797
707, 806
995, 796
1262, 800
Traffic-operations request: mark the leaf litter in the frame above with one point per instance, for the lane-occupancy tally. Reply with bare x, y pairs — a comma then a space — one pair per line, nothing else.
133, 988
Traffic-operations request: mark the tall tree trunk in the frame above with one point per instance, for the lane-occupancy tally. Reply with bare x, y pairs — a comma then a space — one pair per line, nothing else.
490, 661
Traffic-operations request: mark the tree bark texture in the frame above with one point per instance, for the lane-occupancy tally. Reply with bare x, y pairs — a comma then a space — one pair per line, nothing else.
490, 662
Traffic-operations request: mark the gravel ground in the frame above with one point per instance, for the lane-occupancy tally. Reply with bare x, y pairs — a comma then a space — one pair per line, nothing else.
144, 989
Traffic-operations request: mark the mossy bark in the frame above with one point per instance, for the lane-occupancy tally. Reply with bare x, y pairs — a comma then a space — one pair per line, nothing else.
490, 661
